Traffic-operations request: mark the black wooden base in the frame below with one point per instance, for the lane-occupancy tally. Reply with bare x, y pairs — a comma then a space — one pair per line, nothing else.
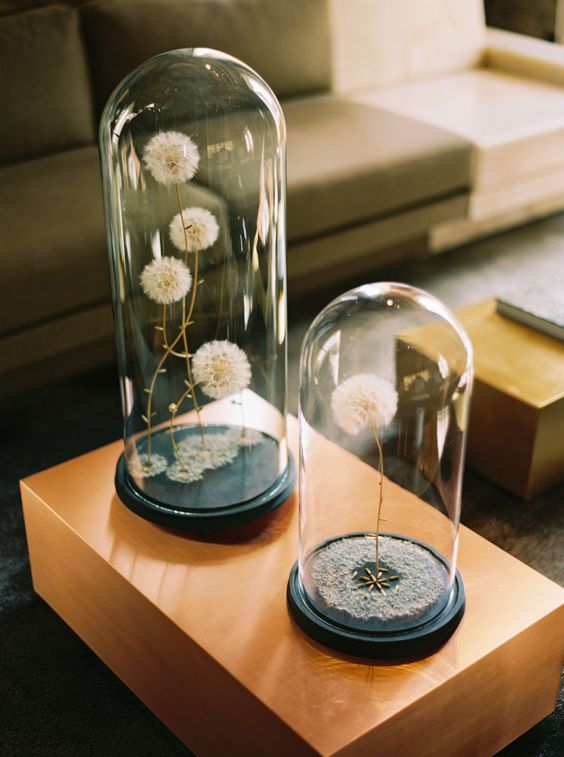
209, 519
410, 642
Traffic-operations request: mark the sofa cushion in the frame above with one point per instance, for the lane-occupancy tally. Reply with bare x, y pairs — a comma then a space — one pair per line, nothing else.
515, 123
350, 163
44, 84
51, 211
286, 43
52, 217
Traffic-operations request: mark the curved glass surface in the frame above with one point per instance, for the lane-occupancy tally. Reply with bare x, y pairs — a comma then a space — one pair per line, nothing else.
193, 164
386, 374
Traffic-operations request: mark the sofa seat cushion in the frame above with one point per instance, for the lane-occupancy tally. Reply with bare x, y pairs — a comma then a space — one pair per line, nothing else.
350, 163
287, 43
516, 124
44, 84
51, 210
53, 222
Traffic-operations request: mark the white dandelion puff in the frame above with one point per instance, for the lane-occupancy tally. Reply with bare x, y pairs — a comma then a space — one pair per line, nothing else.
199, 231
171, 157
221, 368
166, 280
364, 400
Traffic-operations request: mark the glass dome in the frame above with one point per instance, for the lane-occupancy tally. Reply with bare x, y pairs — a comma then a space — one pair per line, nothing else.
193, 166
385, 383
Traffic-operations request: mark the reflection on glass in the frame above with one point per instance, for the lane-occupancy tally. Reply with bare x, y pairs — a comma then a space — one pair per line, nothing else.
384, 392
193, 161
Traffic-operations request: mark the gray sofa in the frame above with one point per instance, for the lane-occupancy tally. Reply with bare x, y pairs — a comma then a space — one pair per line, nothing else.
364, 184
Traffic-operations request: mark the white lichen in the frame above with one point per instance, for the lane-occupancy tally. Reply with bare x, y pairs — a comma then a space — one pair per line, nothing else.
247, 437
171, 157
166, 280
364, 401
221, 368
193, 229
185, 473
140, 467
214, 451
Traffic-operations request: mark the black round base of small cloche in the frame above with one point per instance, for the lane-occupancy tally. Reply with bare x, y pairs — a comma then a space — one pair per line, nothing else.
412, 642
210, 519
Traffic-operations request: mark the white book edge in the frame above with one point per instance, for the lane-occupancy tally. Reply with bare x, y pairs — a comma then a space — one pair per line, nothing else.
529, 319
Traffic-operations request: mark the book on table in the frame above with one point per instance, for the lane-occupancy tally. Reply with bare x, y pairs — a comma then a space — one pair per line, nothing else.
538, 304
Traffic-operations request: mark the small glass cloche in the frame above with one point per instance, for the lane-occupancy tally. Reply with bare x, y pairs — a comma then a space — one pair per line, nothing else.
193, 165
385, 383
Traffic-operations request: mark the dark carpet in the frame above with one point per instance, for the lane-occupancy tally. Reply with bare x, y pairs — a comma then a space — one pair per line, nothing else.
56, 697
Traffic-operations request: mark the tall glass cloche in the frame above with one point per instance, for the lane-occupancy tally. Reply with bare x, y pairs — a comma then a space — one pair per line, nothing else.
386, 377
193, 165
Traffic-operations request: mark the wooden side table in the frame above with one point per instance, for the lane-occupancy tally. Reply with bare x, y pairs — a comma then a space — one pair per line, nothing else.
199, 630
516, 433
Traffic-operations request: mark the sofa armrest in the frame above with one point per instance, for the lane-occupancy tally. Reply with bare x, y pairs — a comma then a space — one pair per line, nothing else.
525, 56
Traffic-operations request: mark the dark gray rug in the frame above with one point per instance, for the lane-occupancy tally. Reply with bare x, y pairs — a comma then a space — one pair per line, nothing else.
56, 697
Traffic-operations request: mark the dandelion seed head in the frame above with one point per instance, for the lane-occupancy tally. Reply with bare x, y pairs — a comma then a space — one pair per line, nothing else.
198, 232
364, 400
171, 157
221, 368
166, 280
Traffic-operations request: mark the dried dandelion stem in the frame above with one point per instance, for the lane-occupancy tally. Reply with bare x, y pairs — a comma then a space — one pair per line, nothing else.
361, 401
150, 391
380, 493
183, 331
171, 157
164, 281
165, 338
173, 408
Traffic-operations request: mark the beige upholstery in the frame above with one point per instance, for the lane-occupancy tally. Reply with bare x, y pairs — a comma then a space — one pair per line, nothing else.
524, 56
511, 109
351, 163
395, 110
286, 42
516, 124
61, 267
364, 247
380, 43
44, 84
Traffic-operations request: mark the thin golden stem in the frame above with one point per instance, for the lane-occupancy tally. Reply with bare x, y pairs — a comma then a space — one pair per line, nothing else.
169, 349
189, 318
179, 354
195, 287
175, 408
172, 439
381, 493
191, 381
150, 391
221, 295
165, 338
243, 426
